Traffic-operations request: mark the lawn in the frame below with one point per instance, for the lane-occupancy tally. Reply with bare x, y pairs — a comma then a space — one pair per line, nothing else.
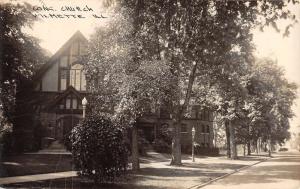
29, 164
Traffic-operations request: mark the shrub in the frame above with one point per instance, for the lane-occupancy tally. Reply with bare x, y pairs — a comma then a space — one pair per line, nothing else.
143, 143
162, 143
98, 149
6, 140
161, 146
200, 150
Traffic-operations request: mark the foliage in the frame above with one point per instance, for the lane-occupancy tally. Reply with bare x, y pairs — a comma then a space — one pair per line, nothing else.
98, 149
124, 84
161, 146
270, 100
163, 140
203, 43
20, 57
22, 54
121, 85
143, 143
207, 47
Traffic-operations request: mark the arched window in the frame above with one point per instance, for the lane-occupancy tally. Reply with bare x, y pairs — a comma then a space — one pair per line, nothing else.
77, 77
74, 76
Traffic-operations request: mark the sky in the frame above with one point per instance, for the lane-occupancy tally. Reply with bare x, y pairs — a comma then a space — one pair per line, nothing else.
286, 50
54, 32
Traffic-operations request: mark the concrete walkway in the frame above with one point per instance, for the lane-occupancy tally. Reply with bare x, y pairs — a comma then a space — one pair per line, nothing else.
282, 171
39, 177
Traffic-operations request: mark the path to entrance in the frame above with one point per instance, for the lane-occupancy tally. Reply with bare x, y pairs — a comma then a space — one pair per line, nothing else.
280, 172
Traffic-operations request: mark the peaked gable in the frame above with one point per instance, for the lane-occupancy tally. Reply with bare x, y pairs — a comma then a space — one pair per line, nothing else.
78, 36
69, 91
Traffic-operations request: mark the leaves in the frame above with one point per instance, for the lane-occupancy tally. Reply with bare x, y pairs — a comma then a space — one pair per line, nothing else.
98, 149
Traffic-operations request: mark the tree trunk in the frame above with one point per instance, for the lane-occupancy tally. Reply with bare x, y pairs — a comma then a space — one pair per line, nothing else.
134, 149
244, 146
1, 167
249, 147
176, 144
232, 141
227, 139
270, 146
255, 146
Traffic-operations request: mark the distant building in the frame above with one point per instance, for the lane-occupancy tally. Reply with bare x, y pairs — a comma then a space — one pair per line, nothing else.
61, 84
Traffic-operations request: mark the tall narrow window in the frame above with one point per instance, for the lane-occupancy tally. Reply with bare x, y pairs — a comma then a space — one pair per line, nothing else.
83, 81
68, 103
72, 78
77, 77
203, 128
207, 129
63, 79
74, 103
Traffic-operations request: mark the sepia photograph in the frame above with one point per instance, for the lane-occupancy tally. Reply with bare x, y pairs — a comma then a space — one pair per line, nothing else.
149, 94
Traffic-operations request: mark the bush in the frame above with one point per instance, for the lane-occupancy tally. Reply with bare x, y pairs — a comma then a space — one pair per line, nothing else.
98, 149
6, 140
162, 143
200, 150
143, 143
161, 146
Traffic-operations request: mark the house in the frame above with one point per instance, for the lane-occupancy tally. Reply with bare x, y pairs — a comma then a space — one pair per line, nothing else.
61, 84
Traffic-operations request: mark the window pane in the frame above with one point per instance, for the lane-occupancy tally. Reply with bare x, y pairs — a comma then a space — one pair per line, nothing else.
83, 82
63, 79
207, 128
68, 103
72, 78
74, 104
77, 81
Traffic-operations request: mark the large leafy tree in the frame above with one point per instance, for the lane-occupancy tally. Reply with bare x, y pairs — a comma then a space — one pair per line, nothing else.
125, 83
203, 39
269, 103
20, 56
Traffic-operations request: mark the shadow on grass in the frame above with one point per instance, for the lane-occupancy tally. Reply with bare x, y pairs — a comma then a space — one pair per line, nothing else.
30, 164
79, 183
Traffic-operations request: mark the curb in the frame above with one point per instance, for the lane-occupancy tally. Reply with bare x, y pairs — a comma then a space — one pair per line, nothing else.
227, 174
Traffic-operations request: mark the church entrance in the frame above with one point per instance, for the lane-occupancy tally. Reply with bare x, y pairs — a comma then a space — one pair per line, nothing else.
64, 127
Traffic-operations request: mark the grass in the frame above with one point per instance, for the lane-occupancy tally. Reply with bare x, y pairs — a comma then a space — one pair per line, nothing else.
29, 164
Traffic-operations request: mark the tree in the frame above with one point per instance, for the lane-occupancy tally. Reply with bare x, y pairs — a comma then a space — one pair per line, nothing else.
124, 83
270, 101
199, 39
20, 56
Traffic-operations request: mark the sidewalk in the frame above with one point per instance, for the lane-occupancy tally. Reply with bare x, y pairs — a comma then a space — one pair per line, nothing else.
281, 171
157, 173
161, 175
39, 177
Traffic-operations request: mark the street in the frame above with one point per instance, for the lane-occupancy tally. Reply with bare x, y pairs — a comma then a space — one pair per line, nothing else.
282, 172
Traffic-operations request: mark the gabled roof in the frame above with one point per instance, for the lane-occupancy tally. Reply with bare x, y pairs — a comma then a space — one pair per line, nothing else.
76, 36
68, 91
